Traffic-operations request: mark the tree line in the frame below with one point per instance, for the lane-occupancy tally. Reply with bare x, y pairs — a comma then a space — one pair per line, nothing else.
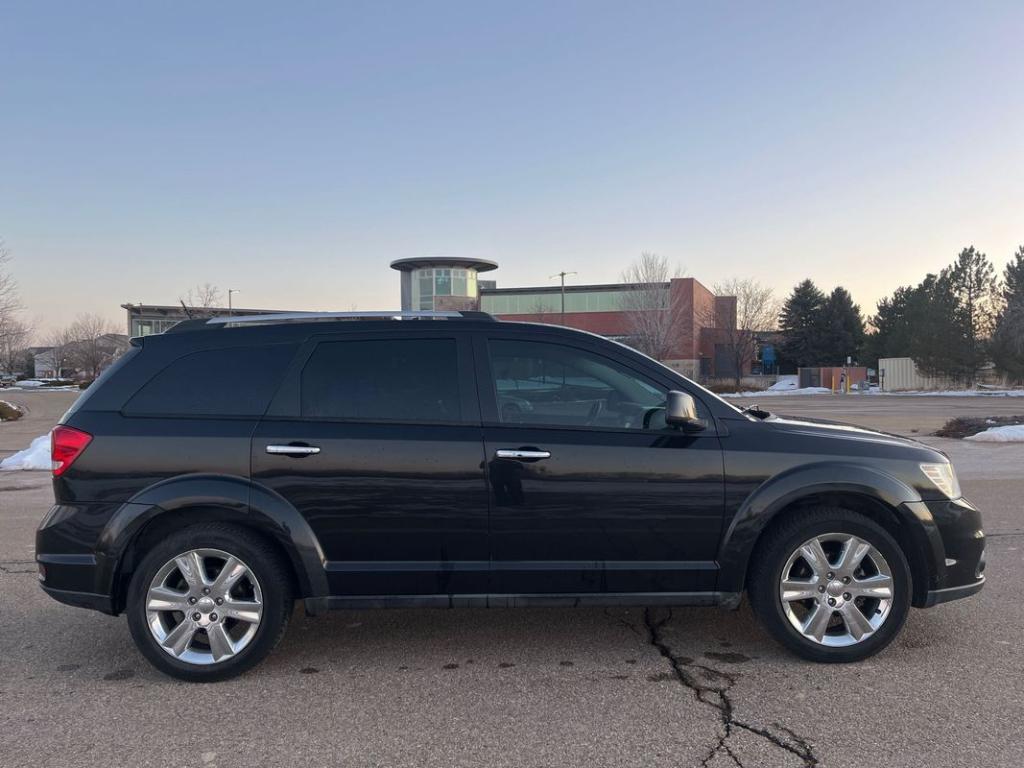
954, 322
818, 328
951, 324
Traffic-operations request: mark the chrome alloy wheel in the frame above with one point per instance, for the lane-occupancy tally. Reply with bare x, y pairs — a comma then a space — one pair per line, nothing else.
204, 606
836, 589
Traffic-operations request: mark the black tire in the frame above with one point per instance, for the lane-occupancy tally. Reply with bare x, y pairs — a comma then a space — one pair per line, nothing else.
772, 555
265, 563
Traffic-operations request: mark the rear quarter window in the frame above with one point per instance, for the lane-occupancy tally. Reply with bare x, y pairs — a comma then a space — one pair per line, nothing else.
408, 380
231, 381
102, 380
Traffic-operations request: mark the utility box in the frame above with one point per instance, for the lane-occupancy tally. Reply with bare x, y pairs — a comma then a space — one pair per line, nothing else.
837, 378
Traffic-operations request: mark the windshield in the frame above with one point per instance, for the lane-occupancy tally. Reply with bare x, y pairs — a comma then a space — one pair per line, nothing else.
702, 391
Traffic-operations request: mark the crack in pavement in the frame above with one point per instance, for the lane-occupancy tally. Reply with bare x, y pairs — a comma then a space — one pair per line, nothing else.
4, 566
711, 687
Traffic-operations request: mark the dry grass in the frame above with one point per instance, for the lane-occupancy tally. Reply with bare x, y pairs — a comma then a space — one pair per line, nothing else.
722, 388
9, 412
965, 426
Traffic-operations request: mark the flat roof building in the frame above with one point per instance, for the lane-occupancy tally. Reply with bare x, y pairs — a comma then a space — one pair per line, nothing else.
699, 324
147, 319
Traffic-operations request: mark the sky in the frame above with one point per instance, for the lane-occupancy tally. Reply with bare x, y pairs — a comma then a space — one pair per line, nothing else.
292, 151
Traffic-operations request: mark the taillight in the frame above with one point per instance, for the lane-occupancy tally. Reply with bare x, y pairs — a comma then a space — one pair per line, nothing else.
66, 445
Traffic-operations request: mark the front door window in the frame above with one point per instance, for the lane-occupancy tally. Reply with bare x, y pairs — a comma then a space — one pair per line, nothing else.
542, 384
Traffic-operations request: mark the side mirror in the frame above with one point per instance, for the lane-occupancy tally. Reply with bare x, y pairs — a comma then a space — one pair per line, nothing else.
681, 411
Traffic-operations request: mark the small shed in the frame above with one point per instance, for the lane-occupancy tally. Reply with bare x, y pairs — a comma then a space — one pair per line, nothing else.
842, 378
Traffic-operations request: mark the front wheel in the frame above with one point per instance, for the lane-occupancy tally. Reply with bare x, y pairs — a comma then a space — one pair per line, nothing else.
831, 585
209, 602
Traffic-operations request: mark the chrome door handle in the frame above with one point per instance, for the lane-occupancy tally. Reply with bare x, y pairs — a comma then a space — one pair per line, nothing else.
509, 453
292, 450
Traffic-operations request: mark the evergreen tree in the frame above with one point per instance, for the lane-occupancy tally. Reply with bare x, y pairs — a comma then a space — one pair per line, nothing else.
1008, 338
1013, 277
972, 284
842, 328
893, 334
933, 328
800, 324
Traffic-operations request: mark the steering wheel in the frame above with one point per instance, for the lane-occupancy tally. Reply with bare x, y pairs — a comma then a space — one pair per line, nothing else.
595, 410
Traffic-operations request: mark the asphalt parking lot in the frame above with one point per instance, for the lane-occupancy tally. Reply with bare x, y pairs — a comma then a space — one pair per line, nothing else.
532, 687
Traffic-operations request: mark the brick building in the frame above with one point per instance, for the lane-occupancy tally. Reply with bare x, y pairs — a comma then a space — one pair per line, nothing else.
700, 332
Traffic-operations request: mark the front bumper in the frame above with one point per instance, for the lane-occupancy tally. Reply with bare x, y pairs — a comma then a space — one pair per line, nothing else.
937, 596
954, 550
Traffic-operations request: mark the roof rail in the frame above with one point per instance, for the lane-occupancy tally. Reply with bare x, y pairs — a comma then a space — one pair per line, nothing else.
308, 317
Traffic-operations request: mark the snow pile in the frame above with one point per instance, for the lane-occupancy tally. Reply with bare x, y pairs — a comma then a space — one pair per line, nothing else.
36, 456
785, 384
959, 393
29, 384
772, 392
1008, 434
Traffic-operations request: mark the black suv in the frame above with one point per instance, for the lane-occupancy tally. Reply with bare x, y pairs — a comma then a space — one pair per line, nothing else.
220, 471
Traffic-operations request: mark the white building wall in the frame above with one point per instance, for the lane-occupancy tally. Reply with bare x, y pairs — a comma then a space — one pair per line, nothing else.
901, 373
43, 365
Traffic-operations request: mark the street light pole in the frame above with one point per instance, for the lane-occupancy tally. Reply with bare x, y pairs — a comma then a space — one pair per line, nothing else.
230, 291
562, 276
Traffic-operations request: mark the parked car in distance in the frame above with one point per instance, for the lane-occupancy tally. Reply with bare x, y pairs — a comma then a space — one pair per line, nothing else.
221, 471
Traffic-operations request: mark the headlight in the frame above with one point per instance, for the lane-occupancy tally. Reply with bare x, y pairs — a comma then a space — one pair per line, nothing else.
944, 478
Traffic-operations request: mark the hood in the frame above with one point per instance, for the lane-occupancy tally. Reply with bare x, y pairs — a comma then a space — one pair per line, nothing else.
836, 430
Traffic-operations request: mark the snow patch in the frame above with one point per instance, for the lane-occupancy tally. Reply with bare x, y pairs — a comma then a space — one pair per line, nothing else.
1009, 434
36, 456
785, 384
772, 392
29, 384
958, 393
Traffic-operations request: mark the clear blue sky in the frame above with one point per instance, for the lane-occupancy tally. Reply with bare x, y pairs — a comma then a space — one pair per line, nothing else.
293, 151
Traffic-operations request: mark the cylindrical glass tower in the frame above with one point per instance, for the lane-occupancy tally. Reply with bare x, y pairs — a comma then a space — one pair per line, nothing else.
439, 283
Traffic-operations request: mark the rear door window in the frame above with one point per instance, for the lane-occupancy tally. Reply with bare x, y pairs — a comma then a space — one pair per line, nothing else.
408, 380
233, 381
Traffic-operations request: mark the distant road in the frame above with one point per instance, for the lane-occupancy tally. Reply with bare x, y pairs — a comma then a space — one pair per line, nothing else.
42, 410
899, 414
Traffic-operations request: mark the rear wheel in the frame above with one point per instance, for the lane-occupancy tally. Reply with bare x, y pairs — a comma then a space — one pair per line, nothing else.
209, 602
831, 585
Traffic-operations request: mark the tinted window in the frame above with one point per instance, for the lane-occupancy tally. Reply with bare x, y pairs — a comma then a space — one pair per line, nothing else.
552, 384
236, 381
389, 379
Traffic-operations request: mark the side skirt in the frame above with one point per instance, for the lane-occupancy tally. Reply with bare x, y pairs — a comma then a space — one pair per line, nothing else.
731, 600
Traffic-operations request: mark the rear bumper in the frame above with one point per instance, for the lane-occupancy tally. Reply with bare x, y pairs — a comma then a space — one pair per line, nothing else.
71, 579
72, 569
101, 603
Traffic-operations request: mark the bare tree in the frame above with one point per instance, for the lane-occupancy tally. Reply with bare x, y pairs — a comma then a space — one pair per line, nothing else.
202, 297
541, 310
756, 310
14, 333
94, 344
651, 312
10, 303
59, 343
14, 340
